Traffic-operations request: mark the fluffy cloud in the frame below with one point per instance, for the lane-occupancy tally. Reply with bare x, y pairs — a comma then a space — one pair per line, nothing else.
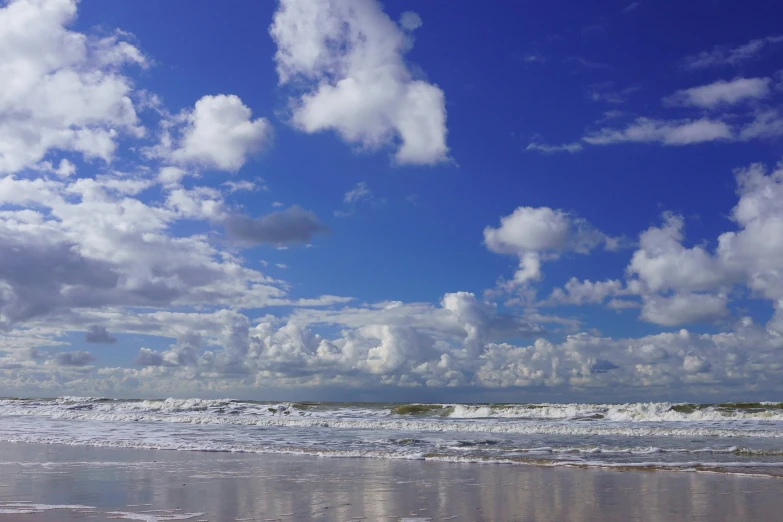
682, 284
453, 345
530, 229
64, 89
219, 133
683, 308
722, 93
751, 256
539, 233
87, 245
350, 54
662, 263
756, 249
578, 292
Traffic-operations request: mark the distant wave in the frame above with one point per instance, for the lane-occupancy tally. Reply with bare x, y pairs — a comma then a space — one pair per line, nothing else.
629, 412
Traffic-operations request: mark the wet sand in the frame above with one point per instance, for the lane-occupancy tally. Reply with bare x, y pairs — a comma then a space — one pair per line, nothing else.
150, 485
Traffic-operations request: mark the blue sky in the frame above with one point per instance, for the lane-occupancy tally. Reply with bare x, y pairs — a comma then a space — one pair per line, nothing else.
374, 197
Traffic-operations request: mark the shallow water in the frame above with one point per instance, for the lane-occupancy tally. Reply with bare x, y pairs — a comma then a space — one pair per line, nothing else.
730, 438
53, 483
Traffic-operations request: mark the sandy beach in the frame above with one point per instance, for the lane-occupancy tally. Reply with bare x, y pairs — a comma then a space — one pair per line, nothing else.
92, 483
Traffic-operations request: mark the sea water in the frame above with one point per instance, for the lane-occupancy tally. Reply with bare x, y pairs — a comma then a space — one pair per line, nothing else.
742, 438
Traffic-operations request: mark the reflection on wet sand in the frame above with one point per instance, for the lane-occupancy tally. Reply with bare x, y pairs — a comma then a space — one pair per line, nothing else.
133, 484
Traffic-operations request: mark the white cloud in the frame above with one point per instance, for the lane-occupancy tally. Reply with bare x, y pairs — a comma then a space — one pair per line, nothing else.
530, 229
85, 246
683, 308
681, 284
722, 56
219, 133
722, 93
756, 249
677, 132
417, 345
578, 292
64, 89
538, 233
662, 263
350, 54
171, 175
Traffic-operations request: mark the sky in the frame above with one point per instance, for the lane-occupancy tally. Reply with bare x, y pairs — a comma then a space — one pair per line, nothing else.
356, 200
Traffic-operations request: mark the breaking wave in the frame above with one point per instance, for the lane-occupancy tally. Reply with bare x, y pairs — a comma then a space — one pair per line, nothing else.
725, 437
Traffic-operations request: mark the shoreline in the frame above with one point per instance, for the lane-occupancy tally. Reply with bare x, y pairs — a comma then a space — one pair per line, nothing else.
128, 482
718, 468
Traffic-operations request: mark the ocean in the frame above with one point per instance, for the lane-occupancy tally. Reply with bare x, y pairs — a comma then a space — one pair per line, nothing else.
738, 438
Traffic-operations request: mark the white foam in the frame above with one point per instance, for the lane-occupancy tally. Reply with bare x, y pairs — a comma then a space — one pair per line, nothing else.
560, 432
630, 412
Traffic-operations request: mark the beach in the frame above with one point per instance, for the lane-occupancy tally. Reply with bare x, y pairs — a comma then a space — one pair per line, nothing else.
99, 483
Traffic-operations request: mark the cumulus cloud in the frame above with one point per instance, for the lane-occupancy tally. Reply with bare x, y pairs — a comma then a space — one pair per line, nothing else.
541, 229
752, 255
541, 233
104, 253
61, 90
662, 263
681, 284
683, 308
349, 55
727, 56
448, 346
99, 334
219, 133
722, 93
86, 246
577, 292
